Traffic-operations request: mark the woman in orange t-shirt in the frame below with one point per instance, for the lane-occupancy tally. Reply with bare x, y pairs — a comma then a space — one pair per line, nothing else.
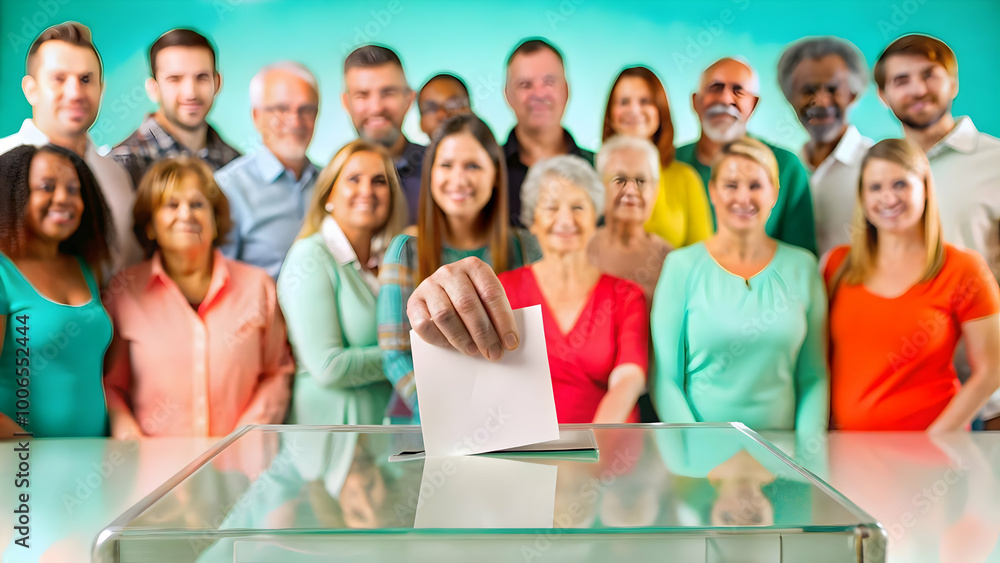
900, 299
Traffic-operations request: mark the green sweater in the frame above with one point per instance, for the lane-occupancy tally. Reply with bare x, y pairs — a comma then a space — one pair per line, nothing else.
728, 349
792, 219
330, 312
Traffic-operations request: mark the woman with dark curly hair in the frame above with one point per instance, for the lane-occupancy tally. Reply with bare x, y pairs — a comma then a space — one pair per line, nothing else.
54, 237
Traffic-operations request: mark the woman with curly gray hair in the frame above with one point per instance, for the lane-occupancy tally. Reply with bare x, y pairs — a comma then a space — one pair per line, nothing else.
596, 325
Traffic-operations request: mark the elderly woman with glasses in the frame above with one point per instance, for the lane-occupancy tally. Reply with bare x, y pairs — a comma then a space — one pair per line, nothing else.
596, 325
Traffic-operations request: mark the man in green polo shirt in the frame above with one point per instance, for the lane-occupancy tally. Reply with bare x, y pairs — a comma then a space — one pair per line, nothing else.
724, 102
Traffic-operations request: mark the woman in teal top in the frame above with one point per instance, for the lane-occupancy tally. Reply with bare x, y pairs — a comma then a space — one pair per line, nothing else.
739, 321
54, 232
461, 213
327, 289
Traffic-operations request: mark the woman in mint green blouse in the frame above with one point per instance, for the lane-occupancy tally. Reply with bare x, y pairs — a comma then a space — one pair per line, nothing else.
739, 321
461, 213
328, 285
54, 232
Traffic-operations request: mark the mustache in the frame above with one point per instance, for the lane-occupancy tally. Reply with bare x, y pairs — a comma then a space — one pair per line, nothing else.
719, 109
820, 112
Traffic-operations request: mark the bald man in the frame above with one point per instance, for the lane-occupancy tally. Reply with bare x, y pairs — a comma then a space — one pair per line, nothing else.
726, 98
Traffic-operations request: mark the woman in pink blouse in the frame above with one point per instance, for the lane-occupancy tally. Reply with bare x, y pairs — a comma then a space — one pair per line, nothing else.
199, 346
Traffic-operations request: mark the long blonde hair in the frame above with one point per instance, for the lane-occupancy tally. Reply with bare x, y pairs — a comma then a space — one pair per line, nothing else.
860, 261
328, 178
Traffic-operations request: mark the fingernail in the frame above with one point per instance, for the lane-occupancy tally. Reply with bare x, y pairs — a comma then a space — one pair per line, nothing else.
495, 353
510, 341
471, 349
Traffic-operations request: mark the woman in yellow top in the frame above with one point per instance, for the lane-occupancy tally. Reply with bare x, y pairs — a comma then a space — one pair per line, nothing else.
638, 107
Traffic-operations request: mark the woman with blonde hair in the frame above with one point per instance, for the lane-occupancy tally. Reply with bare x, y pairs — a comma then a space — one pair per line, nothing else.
900, 299
329, 283
193, 329
739, 320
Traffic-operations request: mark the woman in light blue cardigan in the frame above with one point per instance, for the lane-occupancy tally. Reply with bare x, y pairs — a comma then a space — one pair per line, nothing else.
328, 286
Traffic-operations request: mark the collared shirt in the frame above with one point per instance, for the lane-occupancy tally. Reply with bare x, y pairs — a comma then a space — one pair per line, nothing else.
340, 247
409, 166
966, 168
151, 142
517, 170
204, 372
115, 186
267, 204
834, 186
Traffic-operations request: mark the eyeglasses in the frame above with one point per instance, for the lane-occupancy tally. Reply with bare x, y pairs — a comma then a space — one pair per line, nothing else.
449, 105
284, 112
619, 182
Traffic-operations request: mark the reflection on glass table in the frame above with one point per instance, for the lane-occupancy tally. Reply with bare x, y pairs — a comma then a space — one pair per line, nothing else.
699, 493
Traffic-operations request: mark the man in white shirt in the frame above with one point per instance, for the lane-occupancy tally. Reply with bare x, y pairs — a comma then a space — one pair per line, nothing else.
64, 82
821, 78
917, 77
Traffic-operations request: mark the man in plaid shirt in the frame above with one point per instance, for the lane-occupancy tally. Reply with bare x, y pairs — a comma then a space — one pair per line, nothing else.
184, 81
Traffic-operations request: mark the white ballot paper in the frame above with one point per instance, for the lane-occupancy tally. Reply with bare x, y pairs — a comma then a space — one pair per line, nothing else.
485, 492
470, 405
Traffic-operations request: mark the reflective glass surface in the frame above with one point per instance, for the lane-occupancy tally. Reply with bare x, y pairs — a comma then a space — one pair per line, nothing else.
704, 492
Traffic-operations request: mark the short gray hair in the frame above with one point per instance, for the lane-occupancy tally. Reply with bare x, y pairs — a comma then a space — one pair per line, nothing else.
291, 67
817, 48
567, 167
622, 143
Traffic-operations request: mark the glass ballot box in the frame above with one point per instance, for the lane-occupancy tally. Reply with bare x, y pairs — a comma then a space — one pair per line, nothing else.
696, 493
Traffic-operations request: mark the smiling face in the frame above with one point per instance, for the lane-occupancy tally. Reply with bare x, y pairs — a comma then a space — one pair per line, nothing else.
377, 99
629, 186
185, 85
565, 218
361, 196
633, 110
54, 202
185, 219
917, 90
742, 195
893, 197
724, 101
287, 114
463, 177
64, 89
821, 95
440, 99
536, 90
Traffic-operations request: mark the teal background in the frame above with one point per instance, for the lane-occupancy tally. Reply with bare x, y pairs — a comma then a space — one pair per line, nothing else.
598, 37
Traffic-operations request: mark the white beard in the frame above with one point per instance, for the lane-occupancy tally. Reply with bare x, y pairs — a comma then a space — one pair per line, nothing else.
725, 134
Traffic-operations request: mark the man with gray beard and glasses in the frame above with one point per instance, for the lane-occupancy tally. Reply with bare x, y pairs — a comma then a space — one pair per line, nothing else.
725, 100
822, 77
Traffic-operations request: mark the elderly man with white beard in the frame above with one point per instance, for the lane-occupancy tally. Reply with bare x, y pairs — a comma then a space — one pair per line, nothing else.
725, 100
822, 77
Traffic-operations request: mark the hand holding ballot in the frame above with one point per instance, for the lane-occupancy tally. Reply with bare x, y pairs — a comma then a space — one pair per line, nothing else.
463, 305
